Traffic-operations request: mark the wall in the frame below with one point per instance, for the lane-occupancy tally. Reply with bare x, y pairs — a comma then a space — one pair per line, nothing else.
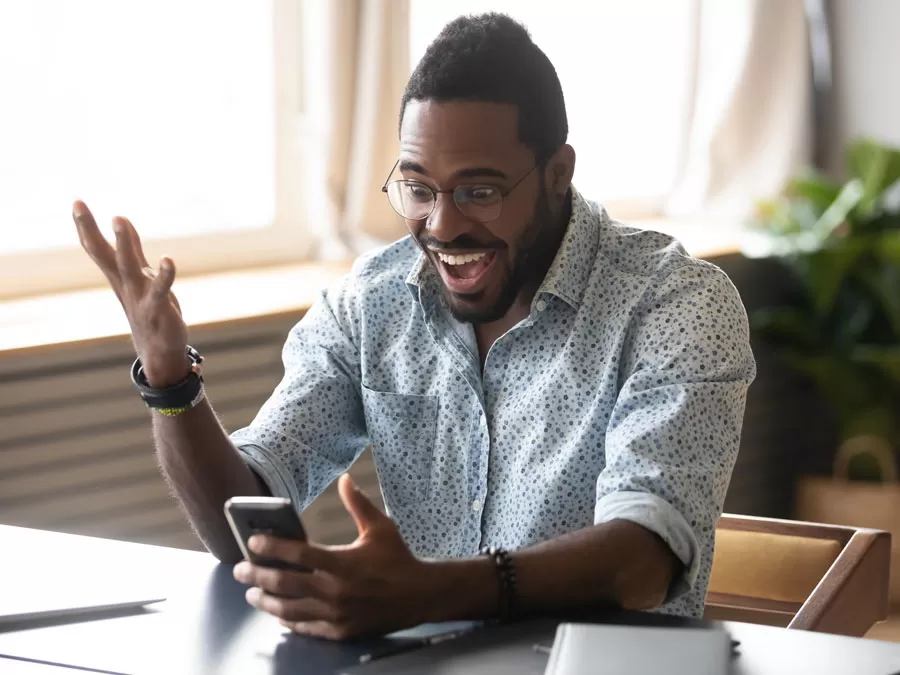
75, 448
866, 54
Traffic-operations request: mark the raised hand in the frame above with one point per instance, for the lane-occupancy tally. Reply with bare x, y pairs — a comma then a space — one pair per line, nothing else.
157, 327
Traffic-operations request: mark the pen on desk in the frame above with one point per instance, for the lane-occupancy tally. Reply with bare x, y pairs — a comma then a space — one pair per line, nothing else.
411, 645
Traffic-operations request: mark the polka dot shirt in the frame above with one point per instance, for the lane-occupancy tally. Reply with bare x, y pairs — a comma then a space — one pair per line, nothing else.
621, 395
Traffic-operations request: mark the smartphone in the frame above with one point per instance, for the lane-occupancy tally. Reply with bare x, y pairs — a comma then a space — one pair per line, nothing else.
263, 515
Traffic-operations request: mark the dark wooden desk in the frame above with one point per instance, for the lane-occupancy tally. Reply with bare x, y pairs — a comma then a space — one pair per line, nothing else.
205, 626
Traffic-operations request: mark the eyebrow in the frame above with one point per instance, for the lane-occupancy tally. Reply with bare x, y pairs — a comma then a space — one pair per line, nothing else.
479, 171
475, 172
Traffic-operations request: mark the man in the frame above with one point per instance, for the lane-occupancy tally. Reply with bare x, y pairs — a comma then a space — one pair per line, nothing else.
531, 376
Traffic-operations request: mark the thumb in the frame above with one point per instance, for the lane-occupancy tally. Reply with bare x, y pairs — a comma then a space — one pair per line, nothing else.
364, 512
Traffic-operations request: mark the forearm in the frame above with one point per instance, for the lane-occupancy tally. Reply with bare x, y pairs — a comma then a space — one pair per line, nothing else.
618, 563
204, 469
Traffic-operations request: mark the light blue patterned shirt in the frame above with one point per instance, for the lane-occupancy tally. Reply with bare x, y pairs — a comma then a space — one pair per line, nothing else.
621, 395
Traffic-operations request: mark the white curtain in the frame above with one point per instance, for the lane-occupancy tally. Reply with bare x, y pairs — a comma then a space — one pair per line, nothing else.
750, 123
368, 64
747, 127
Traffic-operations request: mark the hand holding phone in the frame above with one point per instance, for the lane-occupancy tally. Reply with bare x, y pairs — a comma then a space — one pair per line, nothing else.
274, 516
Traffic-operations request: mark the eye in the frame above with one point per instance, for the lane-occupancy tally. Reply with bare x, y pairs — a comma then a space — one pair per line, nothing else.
479, 194
418, 191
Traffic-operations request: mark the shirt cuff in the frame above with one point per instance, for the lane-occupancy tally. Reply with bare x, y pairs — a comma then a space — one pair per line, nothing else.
263, 464
656, 515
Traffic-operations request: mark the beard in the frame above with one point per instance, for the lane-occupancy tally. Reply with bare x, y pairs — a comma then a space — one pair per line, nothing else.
534, 254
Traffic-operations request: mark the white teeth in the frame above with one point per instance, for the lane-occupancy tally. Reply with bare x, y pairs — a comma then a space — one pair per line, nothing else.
460, 259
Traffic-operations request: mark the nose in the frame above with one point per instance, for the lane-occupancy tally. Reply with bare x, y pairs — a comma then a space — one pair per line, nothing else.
446, 222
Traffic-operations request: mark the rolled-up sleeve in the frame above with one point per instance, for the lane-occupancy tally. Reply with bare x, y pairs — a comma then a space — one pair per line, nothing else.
674, 432
312, 427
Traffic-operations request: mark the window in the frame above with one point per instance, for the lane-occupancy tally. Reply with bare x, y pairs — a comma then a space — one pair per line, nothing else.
176, 113
625, 69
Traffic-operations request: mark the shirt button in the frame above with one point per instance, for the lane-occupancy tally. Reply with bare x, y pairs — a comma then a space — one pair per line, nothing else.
476, 505
541, 305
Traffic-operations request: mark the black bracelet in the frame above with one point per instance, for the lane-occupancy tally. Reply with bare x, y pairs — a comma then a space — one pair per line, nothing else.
178, 398
506, 576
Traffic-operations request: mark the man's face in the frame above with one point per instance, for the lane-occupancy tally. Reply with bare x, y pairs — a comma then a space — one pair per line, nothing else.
444, 145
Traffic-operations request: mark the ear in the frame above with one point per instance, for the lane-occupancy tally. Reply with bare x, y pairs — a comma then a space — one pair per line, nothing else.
559, 171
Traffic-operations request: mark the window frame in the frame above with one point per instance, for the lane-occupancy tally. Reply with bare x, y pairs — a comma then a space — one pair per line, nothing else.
289, 238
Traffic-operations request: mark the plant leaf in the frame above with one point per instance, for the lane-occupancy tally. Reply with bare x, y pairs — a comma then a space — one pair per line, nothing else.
853, 316
823, 272
885, 358
783, 216
815, 188
787, 325
887, 247
839, 210
876, 166
883, 282
845, 385
890, 198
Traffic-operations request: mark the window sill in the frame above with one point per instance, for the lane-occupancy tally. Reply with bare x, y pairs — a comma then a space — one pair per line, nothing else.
90, 315
79, 316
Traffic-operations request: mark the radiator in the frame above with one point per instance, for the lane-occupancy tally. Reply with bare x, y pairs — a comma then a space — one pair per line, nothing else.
75, 447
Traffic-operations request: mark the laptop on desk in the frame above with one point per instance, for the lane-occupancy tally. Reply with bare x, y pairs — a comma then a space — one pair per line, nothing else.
46, 591
577, 649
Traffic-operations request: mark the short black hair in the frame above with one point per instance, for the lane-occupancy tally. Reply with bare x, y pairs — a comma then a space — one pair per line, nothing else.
491, 57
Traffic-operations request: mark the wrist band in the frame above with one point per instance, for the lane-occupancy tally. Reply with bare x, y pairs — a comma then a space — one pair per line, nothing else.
177, 399
506, 575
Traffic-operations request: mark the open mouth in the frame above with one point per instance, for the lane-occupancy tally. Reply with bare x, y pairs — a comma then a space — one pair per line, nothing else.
464, 273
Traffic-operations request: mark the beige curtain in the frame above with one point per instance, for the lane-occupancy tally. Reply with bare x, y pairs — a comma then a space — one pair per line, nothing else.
750, 123
368, 70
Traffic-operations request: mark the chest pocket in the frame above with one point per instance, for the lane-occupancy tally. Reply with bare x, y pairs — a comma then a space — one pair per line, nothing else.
402, 430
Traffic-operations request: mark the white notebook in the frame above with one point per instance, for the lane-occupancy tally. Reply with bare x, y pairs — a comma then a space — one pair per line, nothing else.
46, 588
634, 650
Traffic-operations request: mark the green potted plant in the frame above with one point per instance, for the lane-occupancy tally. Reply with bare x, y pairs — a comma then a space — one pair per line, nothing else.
841, 244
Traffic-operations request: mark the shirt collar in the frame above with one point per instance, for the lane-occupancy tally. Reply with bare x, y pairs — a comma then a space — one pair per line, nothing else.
569, 273
571, 268
421, 278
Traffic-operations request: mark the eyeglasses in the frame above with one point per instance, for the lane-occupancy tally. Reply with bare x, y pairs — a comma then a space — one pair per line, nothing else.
414, 200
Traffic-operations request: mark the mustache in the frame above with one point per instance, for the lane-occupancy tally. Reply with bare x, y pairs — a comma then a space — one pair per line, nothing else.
460, 243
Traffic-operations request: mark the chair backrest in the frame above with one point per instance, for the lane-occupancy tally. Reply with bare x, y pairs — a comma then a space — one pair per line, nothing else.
807, 576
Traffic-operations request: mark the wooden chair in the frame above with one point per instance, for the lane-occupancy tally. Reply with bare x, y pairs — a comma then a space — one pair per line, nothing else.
824, 578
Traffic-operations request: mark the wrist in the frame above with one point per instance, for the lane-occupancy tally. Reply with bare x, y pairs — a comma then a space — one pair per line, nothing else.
162, 374
460, 589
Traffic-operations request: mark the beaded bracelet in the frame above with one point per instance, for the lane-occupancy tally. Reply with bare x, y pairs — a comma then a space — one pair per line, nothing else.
506, 575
